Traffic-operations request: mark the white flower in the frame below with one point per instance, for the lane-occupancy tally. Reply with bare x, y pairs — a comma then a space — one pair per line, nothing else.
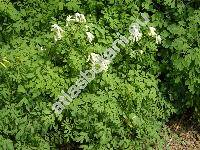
82, 18
158, 39
69, 19
141, 51
135, 32
152, 32
79, 17
104, 64
90, 36
57, 31
42, 49
97, 59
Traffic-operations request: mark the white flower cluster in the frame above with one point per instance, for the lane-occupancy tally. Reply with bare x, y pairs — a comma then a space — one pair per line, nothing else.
97, 59
57, 32
90, 36
80, 18
76, 18
134, 30
136, 35
154, 34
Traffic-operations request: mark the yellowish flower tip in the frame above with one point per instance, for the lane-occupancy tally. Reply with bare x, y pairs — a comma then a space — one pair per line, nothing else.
141, 51
3, 65
4, 59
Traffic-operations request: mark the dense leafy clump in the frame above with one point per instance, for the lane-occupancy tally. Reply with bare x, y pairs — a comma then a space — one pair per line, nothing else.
125, 106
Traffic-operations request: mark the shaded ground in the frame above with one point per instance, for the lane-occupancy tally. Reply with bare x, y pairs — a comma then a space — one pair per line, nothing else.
185, 133
69, 146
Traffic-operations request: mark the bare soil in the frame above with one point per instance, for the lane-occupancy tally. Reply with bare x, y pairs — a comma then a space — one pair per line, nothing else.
188, 131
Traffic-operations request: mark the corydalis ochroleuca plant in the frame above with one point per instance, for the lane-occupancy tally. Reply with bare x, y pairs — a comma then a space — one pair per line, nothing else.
103, 61
87, 76
81, 19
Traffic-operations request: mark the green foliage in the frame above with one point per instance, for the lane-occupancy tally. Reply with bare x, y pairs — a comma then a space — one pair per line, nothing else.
123, 108
180, 57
